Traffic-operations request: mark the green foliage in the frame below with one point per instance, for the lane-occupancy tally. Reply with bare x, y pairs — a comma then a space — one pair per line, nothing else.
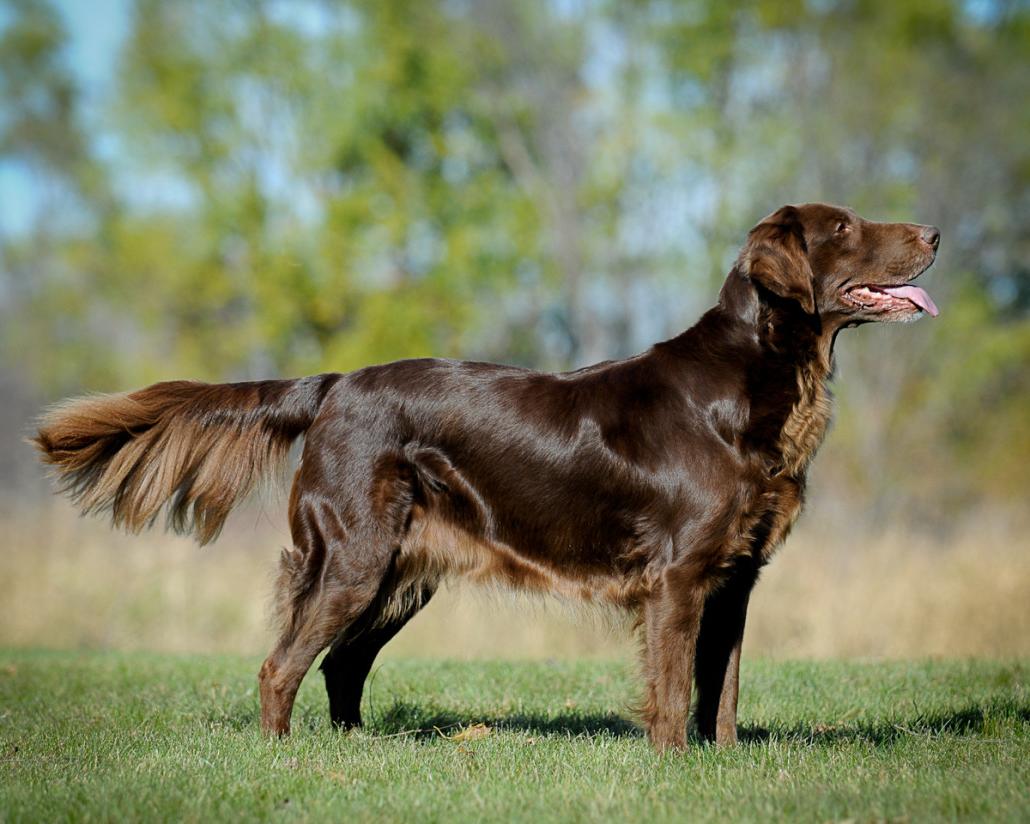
145, 737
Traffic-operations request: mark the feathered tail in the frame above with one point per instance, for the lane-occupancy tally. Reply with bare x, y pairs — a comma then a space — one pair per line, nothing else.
198, 447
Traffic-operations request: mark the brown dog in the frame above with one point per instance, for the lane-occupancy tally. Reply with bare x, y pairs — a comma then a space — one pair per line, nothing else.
660, 484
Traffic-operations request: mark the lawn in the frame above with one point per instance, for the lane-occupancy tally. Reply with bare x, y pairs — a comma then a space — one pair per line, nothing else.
130, 736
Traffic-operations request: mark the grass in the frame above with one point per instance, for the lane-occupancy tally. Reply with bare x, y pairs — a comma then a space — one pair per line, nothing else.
145, 736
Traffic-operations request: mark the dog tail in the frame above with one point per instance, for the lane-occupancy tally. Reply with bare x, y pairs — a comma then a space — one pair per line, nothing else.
198, 447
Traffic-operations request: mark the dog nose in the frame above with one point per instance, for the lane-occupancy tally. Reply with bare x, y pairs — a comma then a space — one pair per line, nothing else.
932, 235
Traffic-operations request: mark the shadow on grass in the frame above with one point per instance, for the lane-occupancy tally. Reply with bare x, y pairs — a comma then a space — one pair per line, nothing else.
423, 722
427, 722
971, 720
975, 720
236, 715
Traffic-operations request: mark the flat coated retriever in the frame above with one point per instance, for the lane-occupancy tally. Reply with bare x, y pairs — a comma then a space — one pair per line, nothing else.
660, 484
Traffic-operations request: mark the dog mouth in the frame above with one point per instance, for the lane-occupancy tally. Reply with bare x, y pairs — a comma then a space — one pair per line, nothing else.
904, 299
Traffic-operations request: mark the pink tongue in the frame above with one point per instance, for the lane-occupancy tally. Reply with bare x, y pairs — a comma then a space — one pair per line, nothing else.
916, 295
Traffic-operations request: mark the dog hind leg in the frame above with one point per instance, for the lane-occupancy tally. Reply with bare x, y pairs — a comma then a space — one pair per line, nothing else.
351, 657
342, 561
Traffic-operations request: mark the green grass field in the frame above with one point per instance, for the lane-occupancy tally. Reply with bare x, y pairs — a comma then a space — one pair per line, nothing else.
115, 736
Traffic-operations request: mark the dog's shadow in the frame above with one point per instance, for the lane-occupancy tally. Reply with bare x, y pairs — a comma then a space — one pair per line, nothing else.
429, 722
974, 720
402, 718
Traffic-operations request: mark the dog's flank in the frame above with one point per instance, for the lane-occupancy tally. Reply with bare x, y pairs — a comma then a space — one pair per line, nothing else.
197, 447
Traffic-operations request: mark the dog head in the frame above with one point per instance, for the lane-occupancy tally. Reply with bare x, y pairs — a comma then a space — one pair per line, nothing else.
837, 265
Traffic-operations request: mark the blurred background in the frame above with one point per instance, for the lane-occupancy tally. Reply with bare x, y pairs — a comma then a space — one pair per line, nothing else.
241, 190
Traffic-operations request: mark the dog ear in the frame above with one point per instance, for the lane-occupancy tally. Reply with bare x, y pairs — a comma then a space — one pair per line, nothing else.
776, 258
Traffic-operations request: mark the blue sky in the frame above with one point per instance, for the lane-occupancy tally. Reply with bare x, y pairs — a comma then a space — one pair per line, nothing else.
96, 29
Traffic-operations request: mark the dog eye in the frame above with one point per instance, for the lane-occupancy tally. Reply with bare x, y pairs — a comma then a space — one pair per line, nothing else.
842, 227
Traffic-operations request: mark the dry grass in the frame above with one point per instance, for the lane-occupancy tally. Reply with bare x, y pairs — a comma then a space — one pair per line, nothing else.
69, 583
897, 596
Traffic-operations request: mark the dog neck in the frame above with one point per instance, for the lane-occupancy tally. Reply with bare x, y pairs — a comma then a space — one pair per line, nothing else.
778, 326
788, 366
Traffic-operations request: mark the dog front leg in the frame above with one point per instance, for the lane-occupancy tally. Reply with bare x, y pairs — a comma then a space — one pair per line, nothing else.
717, 669
672, 619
